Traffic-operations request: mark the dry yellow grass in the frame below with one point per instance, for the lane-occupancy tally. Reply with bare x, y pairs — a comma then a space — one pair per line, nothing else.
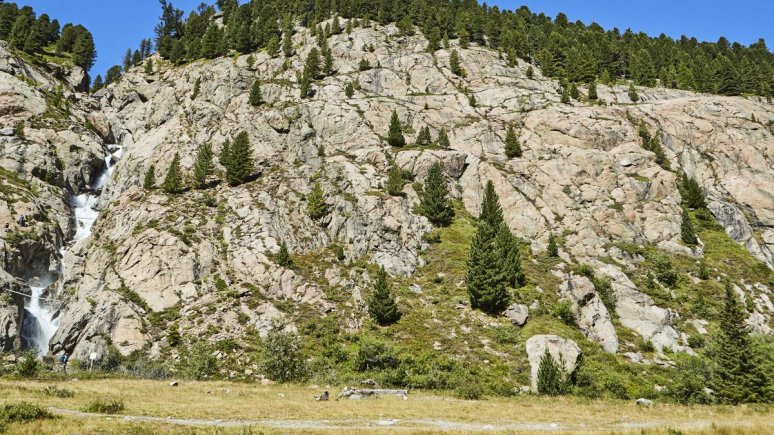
247, 408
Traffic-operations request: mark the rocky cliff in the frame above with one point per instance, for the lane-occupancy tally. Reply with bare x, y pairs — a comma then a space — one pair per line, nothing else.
203, 260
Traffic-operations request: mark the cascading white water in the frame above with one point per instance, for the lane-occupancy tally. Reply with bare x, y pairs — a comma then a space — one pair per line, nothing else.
40, 321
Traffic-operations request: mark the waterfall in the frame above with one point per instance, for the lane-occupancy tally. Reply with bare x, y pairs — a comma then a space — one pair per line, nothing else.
40, 315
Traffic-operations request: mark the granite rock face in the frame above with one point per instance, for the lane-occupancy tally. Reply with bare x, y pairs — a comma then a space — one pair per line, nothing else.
583, 174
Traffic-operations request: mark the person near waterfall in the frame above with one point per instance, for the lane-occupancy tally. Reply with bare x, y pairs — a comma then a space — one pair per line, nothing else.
64, 359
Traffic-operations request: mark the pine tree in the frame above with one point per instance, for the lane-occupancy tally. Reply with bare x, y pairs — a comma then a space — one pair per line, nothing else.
256, 99
395, 135
686, 230
454, 64
364, 65
149, 181
203, 167
149, 67
197, 88
633, 95
283, 256
491, 213
381, 305
553, 248
349, 91
328, 68
736, 379
127, 59
240, 164
173, 181
443, 139
98, 84
512, 146
692, 193
424, 137
507, 248
593, 91
225, 154
574, 92
565, 98
212, 43
530, 72
287, 36
395, 180
550, 377
485, 279
434, 201
336, 26
316, 206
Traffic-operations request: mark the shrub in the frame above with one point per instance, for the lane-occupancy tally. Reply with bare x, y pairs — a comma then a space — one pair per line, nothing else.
54, 391
605, 291
28, 365
551, 377
374, 355
691, 376
563, 310
283, 360
104, 406
198, 362
21, 412
696, 341
664, 270
469, 389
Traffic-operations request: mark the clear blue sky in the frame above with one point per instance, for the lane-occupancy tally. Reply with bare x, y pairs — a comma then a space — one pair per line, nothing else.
120, 24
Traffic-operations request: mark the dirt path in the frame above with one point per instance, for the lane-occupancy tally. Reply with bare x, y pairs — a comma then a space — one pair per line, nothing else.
397, 424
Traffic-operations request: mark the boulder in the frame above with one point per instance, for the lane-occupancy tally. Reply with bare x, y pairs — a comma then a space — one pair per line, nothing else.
561, 350
517, 314
591, 315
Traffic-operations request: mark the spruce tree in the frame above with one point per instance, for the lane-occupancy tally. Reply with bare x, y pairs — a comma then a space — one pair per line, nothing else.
443, 139
149, 67
692, 193
149, 181
735, 376
512, 146
225, 154
424, 137
553, 248
315, 205
454, 64
434, 201
395, 135
283, 255
381, 305
703, 271
212, 43
98, 84
633, 95
485, 279
349, 90
507, 248
686, 230
256, 99
239, 164
530, 72
565, 98
550, 377
593, 91
173, 181
203, 167
574, 92
395, 180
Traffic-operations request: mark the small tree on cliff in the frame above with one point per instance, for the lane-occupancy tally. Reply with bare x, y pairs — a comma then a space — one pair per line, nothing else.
173, 181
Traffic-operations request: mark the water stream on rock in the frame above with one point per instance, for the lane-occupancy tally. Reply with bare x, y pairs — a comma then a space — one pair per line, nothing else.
40, 310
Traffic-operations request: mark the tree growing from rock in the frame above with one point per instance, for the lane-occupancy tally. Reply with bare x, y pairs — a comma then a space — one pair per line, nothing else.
149, 181
454, 64
316, 206
434, 201
203, 166
349, 90
687, 233
283, 255
239, 161
692, 193
512, 146
395, 134
173, 181
593, 91
553, 249
633, 95
551, 377
256, 99
424, 137
737, 377
443, 139
530, 72
381, 305
395, 180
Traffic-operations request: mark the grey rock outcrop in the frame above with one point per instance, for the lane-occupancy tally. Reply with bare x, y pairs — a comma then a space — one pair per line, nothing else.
591, 315
517, 314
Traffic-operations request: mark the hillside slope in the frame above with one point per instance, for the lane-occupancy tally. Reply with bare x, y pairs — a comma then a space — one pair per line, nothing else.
201, 263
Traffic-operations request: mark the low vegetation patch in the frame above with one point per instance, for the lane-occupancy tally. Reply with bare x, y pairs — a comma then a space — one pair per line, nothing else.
104, 406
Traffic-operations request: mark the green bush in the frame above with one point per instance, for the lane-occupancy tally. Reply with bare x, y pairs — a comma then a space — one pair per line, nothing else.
104, 406
563, 310
21, 412
691, 376
28, 365
664, 270
283, 360
374, 354
198, 362
469, 389
54, 391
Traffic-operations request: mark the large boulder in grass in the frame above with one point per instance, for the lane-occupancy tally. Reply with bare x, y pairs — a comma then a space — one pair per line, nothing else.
562, 350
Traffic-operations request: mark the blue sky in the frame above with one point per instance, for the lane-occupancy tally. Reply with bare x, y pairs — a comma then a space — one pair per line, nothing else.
120, 24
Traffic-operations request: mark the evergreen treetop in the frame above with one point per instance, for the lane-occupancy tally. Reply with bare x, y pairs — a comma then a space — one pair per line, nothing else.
381, 305
434, 201
395, 134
